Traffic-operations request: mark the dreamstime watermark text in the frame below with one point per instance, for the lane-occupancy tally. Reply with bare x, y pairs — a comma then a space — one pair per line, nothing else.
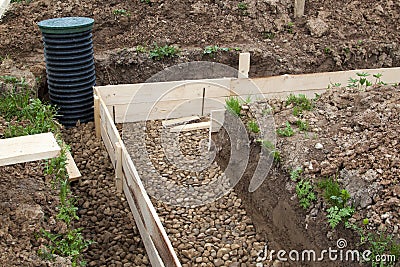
340, 253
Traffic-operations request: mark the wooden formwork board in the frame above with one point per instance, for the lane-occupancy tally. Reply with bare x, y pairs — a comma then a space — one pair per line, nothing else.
155, 239
28, 148
149, 101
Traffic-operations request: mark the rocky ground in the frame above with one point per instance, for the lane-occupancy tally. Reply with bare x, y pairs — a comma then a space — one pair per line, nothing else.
353, 139
219, 233
104, 214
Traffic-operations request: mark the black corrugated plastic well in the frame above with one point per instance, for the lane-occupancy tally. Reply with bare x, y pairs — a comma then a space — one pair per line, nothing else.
68, 50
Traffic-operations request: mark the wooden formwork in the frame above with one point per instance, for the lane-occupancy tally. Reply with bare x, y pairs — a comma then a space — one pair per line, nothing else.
132, 103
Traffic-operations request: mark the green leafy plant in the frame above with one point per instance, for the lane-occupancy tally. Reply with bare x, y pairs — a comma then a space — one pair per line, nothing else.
337, 199
362, 82
333, 194
289, 27
378, 80
211, 50
242, 6
379, 243
327, 50
334, 85
295, 174
303, 125
268, 35
300, 103
161, 52
141, 49
233, 105
253, 126
287, 131
69, 244
121, 12
336, 215
305, 193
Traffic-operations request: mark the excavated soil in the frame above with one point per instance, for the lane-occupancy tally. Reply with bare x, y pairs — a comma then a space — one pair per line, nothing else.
357, 136
331, 36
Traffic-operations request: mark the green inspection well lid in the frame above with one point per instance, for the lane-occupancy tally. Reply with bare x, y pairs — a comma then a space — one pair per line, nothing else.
66, 25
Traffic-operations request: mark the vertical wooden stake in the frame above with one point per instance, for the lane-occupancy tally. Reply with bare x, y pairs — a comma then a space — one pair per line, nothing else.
97, 116
118, 167
299, 8
244, 65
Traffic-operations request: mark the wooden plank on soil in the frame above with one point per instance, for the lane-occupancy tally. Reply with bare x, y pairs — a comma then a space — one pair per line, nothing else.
155, 92
3, 6
97, 116
299, 6
73, 171
191, 127
151, 250
28, 148
173, 122
217, 118
158, 111
244, 65
149, 215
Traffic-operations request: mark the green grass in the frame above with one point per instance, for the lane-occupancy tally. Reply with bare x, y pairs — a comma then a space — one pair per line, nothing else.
303, 125
287, 131
213, 49
253, 126
233, 105
161, 52
37, 117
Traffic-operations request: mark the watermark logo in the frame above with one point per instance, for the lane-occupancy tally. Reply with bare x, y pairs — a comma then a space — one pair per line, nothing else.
340, 253
168, 172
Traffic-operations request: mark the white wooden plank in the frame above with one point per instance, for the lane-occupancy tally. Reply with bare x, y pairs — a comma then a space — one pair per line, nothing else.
160, 110
244, 65
304, 82
3, 6
107, 143
118, 167
73, 171
151, 250
162, 91
172, 122
217, 118
28, 148
152, 221
299, 8
214, 103
191, 127
97, 116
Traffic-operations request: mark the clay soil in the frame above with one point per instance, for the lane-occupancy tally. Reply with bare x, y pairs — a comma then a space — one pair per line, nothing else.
333, 35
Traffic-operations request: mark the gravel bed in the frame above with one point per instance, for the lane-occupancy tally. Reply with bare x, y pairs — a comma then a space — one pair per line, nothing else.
218, 233
104, 214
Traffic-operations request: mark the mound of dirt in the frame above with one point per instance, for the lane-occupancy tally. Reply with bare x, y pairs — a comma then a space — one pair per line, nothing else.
353, 137
334, 36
